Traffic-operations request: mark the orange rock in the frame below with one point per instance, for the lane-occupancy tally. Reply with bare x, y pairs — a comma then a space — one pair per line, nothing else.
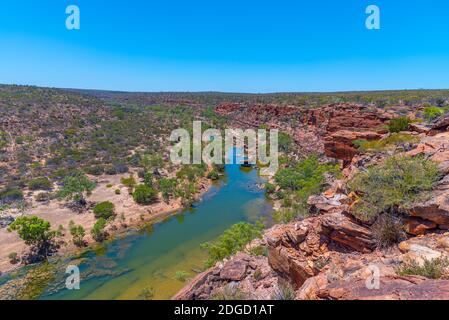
417, 226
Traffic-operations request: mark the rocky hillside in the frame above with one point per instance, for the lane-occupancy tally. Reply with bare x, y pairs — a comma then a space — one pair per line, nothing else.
379, 231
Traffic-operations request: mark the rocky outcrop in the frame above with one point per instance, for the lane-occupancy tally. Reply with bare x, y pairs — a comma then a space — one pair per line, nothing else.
442, 124
340, 144
390, 288
434, 211
350, 277
329, 130
298, 250
243, 276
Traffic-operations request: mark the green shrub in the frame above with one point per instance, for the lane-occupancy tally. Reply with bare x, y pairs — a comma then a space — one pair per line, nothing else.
257, 275
213, 175
299, 182
95, 170
284, 215
75, 186
77, 233
110, 170
392, 186
181, 276
43, 197
147, 293
284, 291
97, 231
388, 230
11, 195
395, 139
259, 251
285, 142
232, 240
13, 258
230, 292
144, 195
128, 182
270, 188
168, 188
104, 210
118, 192
40, 184
399, 124
432, 269
431, 113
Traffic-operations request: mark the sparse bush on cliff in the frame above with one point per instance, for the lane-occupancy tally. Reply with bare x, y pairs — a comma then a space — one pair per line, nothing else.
144, 195
230, 292
299, 182
395, 139
284, 291
392, 186
285, 142
399, 124
104, 210
431, 113
432, 269
388, 230
232, 240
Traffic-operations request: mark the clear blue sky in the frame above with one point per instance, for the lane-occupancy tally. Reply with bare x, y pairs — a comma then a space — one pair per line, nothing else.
232, 45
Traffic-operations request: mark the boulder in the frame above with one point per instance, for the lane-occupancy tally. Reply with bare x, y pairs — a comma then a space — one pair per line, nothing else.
418, 226
340, 228
234, 270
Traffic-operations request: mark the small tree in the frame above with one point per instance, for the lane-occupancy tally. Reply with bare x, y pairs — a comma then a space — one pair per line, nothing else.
35, 232
74, 188
144, 194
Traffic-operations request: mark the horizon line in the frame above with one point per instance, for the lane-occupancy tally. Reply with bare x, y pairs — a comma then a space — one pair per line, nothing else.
220, 92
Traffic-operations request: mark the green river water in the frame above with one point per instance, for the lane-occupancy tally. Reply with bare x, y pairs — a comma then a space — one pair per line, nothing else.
150, 258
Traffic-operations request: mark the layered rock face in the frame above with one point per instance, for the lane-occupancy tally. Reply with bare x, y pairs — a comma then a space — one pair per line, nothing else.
329, 130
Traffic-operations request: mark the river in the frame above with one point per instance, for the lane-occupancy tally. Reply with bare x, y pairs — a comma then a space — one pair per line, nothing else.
148, 259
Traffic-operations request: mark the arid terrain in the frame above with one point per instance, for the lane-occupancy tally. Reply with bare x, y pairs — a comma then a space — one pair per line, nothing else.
361, 195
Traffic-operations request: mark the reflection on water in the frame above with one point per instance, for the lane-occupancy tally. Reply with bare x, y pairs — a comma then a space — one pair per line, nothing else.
149, 259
